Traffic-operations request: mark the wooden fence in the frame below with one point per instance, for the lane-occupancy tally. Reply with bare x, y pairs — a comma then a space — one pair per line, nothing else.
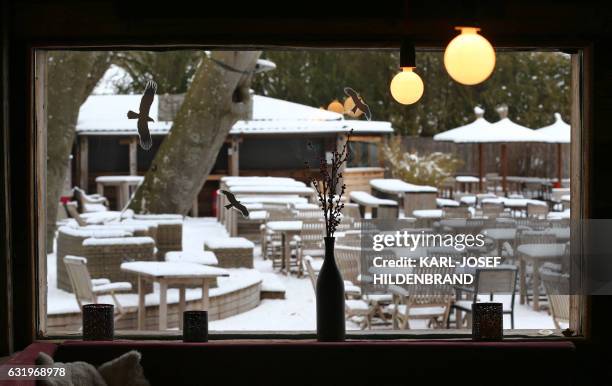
524, 159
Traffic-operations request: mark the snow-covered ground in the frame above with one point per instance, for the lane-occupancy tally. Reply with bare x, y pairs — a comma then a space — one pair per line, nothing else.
294, 313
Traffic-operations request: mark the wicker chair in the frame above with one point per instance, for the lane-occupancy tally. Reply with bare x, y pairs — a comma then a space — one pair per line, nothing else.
492, 209
537, 211
169, 233
456, 212
491, 281
105, 251
232, 252
87, 289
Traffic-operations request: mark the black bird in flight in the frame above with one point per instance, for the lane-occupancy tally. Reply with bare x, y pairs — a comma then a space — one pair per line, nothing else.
235, 203
143, 115
359, 102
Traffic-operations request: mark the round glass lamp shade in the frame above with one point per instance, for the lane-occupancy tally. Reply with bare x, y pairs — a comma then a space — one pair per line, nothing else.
407, 87
336, 107
469, 58
349, 105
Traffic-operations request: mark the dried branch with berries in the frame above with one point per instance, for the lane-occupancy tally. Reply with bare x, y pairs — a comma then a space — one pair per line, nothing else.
330, 186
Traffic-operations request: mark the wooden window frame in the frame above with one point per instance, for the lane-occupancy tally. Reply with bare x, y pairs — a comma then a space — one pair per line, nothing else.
581, 132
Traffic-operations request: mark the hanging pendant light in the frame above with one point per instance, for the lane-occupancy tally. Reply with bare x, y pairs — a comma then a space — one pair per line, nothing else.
407, 86
469, 58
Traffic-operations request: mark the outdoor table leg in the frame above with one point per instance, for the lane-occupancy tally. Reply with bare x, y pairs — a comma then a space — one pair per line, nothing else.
286, 254
523, 291
124, 195
163, 305
205, 295
536, 286
181, 306
99, 188
141, 303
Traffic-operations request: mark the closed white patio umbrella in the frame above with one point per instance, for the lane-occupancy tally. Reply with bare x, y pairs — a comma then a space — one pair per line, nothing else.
504, 131
559, 133
471, 130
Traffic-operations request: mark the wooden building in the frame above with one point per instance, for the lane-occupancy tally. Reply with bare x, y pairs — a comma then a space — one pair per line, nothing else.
273, 142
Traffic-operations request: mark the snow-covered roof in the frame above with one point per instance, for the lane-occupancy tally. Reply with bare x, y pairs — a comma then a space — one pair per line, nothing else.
106, 115
558, 132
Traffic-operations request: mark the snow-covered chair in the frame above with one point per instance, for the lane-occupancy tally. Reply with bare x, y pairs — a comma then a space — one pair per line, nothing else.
231, 252
492, 209
537, 211
354, 306
421, 301
491, 281
105, 248
456, 212
88, 203
557, 287
87, 289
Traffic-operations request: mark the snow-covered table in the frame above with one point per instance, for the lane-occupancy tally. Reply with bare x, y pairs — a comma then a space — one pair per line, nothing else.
123, 184
287, 229
174, 274
369, 202
537, 254
412, 197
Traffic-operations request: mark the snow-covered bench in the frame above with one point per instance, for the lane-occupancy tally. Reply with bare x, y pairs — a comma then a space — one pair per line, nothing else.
105, 250
198, 257
371, 206
231, 252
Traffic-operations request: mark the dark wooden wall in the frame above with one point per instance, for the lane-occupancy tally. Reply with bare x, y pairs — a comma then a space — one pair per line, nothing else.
520, 23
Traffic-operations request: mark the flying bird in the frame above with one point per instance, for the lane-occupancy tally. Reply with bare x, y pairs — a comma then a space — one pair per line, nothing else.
235, 203
359, 102
143, 115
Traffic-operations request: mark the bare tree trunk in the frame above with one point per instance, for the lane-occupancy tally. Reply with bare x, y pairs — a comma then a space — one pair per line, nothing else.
71, 77
216, 99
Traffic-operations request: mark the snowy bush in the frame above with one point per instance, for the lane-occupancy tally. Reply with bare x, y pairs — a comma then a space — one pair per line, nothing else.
429, 169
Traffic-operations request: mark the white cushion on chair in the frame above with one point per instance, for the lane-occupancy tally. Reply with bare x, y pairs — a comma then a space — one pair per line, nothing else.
97, 282
379, 297
357, 305
417, 311
119, 286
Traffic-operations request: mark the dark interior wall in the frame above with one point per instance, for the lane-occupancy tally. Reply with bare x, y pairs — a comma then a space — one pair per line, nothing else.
279, 153
567, 24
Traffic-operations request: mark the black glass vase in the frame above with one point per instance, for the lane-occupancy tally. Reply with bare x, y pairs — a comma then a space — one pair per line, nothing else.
331, 325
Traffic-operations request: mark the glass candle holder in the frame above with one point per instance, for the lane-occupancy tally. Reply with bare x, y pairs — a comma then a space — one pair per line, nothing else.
195, 326
487, 321
98, 322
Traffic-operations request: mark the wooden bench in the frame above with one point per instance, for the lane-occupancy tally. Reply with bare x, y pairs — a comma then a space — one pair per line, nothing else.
371, 206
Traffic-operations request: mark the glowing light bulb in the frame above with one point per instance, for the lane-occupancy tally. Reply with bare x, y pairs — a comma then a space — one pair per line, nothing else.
407, 87
469, 58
